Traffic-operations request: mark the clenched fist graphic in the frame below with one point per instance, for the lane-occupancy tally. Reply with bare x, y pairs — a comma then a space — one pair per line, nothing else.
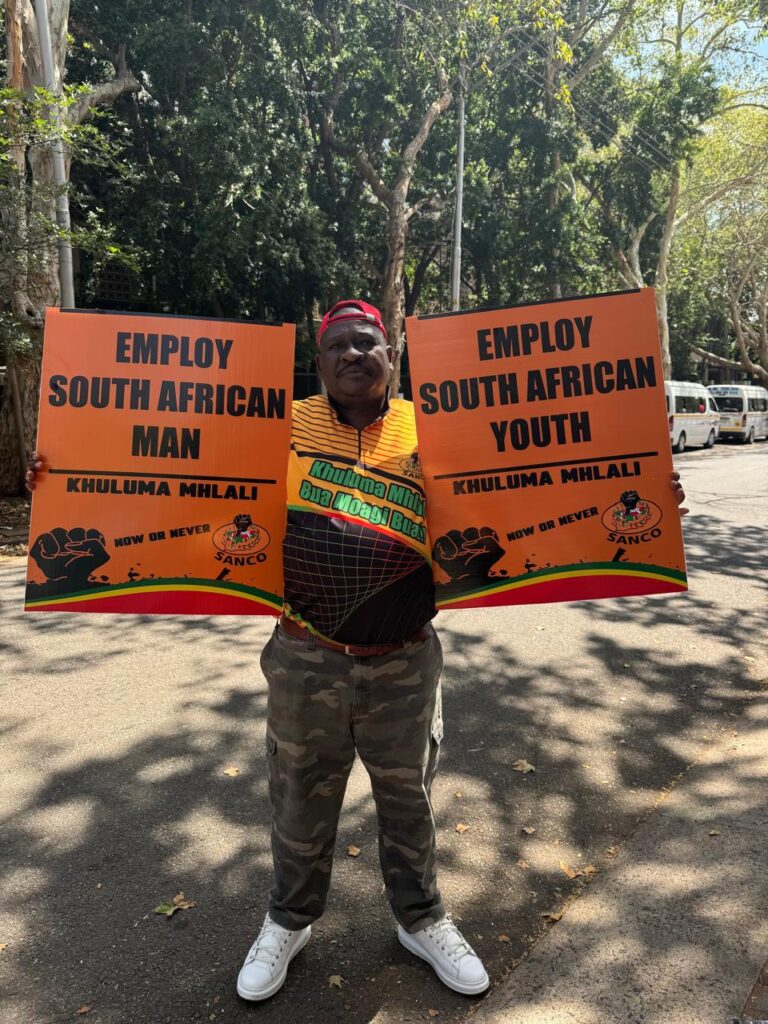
69, 555
468, 554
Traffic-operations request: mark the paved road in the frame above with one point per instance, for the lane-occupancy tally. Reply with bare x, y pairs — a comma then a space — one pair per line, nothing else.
118, 734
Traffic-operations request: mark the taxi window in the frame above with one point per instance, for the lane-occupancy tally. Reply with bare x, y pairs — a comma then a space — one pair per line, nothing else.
730, 403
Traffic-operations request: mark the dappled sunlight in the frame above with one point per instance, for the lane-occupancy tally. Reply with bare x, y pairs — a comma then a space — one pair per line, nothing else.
152, 781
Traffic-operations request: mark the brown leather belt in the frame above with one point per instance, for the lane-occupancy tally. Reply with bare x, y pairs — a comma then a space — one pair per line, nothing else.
355, 650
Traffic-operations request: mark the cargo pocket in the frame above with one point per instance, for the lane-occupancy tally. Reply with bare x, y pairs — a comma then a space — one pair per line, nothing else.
435, 739
273, 769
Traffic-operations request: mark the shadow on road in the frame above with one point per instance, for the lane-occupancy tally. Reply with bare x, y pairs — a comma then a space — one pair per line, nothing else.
105, 831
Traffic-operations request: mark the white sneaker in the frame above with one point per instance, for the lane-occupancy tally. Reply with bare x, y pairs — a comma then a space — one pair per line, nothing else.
446, 950
266, 966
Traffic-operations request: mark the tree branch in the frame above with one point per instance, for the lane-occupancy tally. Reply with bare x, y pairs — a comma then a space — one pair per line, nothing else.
431, 114
731, 364
106, 92
738, 106
634, 245
723, 189
603, 45
741, 341
367, 171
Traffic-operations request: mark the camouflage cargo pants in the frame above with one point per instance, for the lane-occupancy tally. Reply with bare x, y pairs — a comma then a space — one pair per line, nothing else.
323, 705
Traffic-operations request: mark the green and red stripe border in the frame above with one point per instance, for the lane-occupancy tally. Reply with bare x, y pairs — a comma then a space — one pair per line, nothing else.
181, 596
581, 582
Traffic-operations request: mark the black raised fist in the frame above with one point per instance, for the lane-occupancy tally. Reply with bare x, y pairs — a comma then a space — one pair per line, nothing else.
468, 554
69, 555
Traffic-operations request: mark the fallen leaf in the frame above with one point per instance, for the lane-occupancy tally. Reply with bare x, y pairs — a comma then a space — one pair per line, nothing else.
83, 1009
461, 827
458, 794
521, 765
551, 915
568, 870
589, 870
541, 627
179, 902
3, 945
433, 1013
528, 829
523, 864
231, 770
714, 832
353, 851
335, 981
503, 938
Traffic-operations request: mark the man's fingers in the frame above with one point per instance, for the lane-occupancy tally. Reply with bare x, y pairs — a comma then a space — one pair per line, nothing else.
445, 548
60, 537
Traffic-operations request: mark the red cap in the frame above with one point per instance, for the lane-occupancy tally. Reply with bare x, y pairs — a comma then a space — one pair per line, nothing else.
364, 311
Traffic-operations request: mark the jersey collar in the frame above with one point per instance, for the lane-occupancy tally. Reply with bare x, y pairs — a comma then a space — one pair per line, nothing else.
341, 418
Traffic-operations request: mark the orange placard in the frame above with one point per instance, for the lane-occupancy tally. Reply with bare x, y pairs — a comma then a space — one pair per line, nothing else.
544, 443
166, 442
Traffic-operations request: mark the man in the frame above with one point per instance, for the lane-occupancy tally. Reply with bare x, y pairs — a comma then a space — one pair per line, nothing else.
354, 664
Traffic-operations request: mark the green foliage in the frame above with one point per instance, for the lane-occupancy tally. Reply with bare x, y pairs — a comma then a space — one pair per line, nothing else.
226, 197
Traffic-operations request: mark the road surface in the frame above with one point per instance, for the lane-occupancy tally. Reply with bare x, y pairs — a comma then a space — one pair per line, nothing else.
133, 769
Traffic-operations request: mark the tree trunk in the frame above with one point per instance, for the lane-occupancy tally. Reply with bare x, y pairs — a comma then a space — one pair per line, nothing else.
661, 282
31, 285
27, 370
35, 283
413, 293
393, 292
552, 191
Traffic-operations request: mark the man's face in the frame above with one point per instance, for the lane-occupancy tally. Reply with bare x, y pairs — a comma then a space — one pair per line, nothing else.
354, 361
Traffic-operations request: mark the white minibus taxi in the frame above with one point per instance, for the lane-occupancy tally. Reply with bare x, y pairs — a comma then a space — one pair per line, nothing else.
693, 415
743, 410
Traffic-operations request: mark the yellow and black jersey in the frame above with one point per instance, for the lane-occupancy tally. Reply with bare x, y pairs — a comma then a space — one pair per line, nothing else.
356, 553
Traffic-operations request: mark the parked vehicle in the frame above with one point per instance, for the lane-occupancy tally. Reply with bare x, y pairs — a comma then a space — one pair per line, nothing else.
693, 414
743, 410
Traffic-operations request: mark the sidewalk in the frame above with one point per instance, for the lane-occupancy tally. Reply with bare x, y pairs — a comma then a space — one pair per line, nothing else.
675, 931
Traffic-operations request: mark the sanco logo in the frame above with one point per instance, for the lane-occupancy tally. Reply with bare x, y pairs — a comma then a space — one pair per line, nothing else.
411, 466
241, 542
632, 519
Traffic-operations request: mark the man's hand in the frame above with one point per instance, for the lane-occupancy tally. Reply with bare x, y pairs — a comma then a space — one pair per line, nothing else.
70, 555
35, 464
468, 554
679, 493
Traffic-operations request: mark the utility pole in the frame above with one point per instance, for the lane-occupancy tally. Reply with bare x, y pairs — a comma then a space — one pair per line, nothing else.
456, 254
66, 277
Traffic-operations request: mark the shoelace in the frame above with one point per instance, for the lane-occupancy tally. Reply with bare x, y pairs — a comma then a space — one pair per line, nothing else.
266, 952
449, 938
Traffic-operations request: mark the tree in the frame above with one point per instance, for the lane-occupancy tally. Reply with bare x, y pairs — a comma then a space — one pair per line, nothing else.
378, 81
724, 245
647, 134
30, 280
